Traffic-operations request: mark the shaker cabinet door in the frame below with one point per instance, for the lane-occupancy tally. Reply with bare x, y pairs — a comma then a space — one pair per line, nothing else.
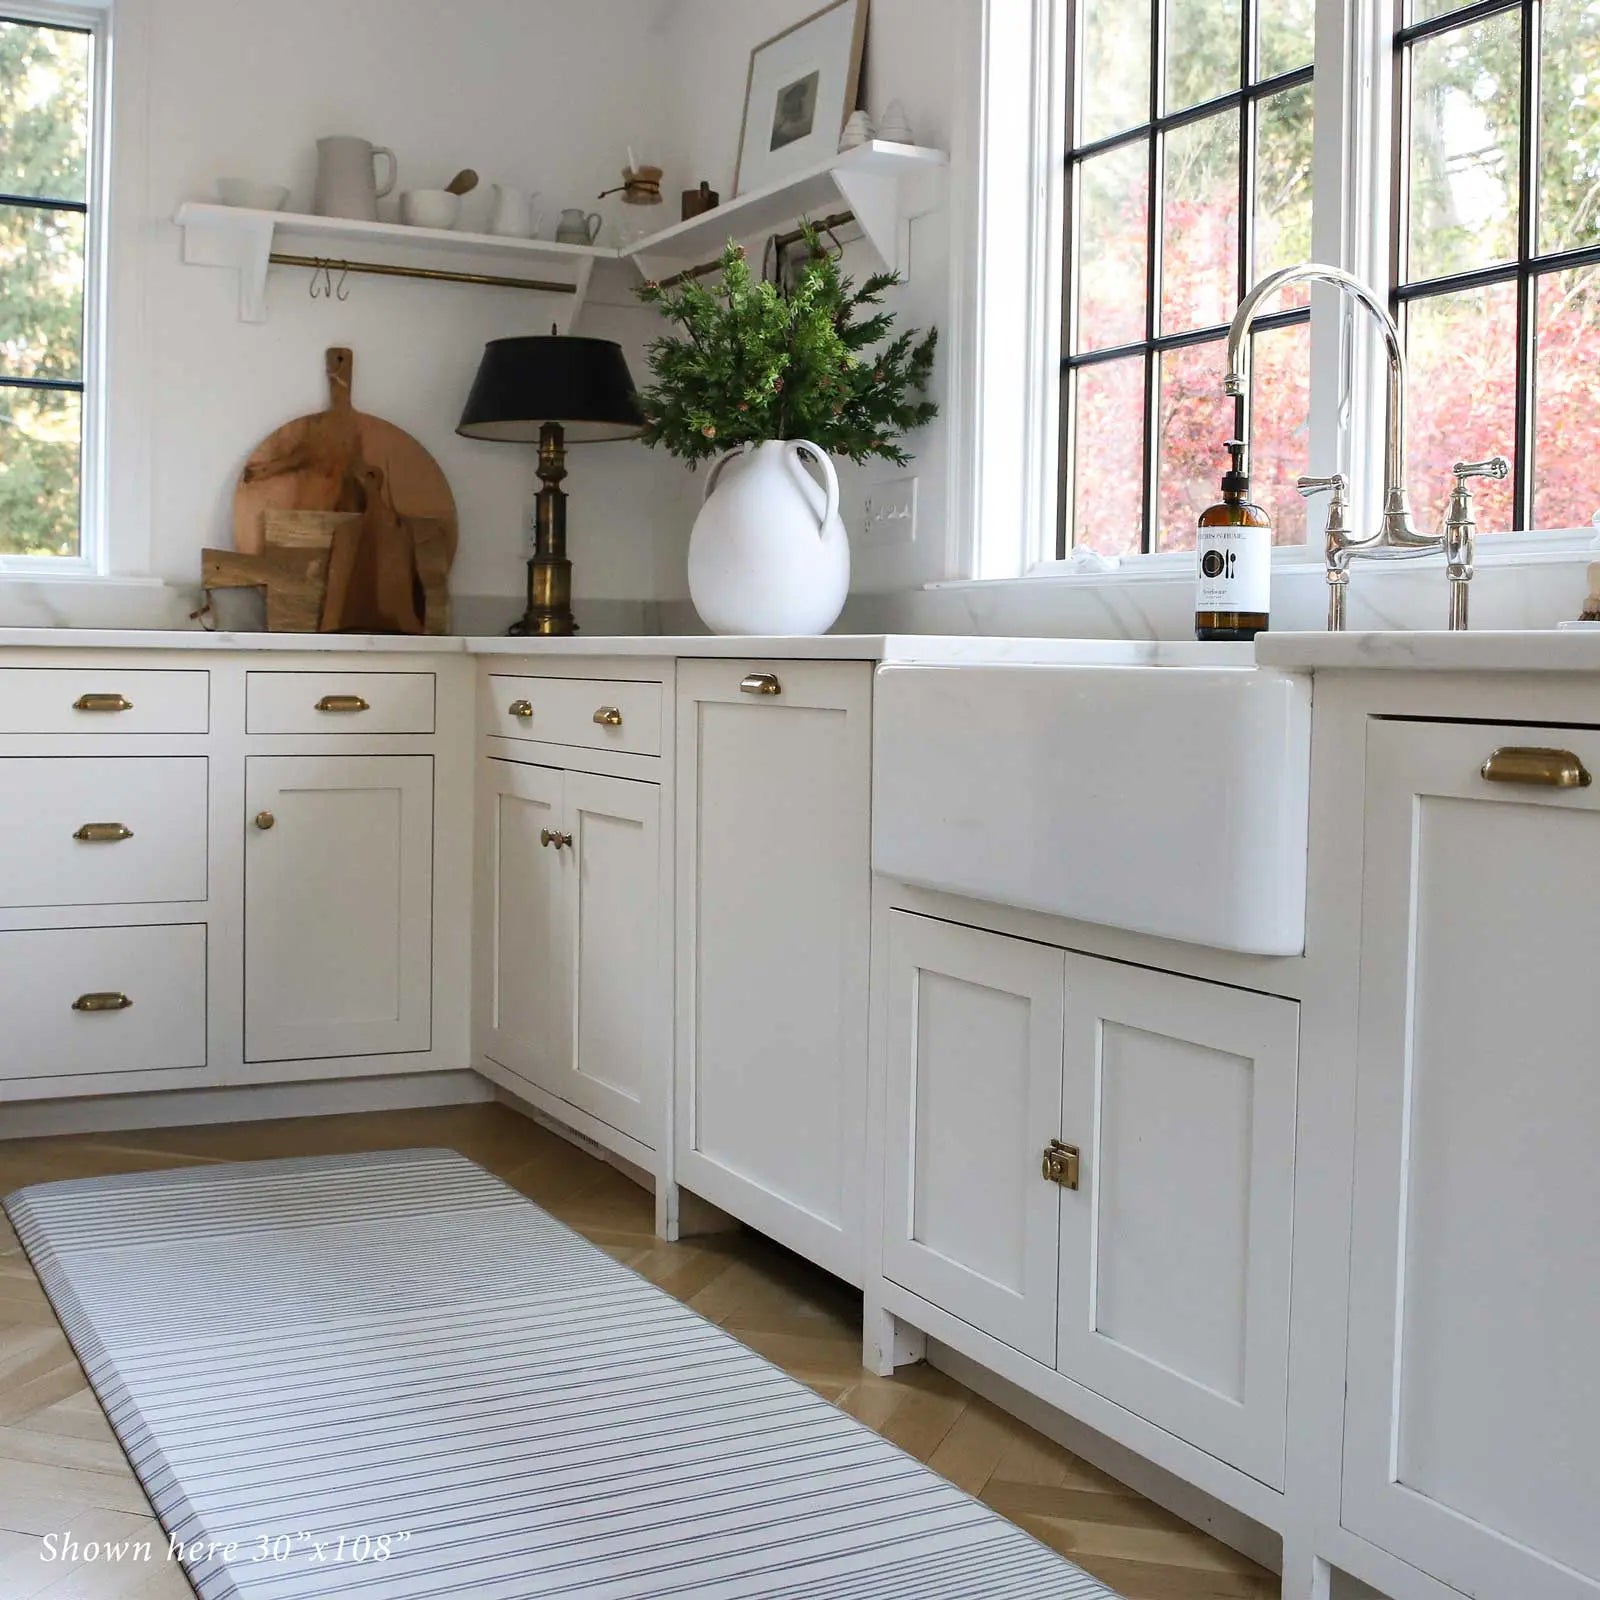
523, 955
974, 1097
338, 906
620, 1038
1180, 1096
1472, 1405
774, 781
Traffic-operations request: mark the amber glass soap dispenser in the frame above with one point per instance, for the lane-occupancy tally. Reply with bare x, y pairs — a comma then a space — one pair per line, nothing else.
1233, 554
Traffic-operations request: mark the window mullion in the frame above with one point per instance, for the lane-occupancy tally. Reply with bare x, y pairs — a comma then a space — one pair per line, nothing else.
1527, 246
1153, 264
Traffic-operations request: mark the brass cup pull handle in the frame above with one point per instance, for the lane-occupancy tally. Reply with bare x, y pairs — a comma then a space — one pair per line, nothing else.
760, 683
609, 716
265, 820
103, 832
102, 702
342, 702
107, 1000
1061, 1162
522, 709
1538, 767
549, 836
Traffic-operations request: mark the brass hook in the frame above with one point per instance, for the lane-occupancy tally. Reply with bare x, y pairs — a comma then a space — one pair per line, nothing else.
311, 288
343, 292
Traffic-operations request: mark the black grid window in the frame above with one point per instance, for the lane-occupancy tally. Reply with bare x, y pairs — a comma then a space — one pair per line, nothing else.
1188, 178
1497, 251
46, 99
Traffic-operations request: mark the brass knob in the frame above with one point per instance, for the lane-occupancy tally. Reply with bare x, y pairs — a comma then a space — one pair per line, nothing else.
521, 708
548, 837
265, 820
104, 1001
609, 716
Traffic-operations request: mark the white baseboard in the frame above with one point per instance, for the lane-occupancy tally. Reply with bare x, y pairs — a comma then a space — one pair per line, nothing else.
255, 1102
563, 1130
1222, 1522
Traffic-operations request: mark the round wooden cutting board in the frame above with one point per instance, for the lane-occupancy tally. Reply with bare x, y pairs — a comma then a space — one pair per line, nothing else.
311, 464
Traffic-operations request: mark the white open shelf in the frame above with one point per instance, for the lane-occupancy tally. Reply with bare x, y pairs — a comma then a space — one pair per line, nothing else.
232, 236
870, 180
874, 181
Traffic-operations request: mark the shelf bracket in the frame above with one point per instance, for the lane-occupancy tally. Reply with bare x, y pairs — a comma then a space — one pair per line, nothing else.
875, 199
243, 243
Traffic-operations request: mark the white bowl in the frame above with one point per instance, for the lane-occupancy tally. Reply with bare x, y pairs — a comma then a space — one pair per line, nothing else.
252, 195
430, 208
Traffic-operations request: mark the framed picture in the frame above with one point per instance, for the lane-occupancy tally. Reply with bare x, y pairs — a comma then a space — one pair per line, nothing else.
802, 86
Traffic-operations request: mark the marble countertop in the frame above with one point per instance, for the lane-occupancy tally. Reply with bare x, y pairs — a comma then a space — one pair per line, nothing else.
906, 647
1536, 650
1551, 650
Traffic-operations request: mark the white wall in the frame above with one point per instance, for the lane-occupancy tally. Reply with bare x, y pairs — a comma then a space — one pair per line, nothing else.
541, 93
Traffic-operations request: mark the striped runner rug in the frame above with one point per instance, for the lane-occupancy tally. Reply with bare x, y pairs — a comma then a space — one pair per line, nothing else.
391, 1376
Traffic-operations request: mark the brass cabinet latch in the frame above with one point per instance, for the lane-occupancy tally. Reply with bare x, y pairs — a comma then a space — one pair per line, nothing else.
521, 708
103, 832
102, 1001
1061, 1164
760, 683
1538, 767
549, 836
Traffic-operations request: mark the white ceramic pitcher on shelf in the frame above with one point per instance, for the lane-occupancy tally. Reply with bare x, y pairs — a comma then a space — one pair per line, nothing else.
511, 212
347, 178
769, 554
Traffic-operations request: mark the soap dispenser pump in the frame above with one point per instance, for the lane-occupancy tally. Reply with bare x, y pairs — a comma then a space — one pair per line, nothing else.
1233, 556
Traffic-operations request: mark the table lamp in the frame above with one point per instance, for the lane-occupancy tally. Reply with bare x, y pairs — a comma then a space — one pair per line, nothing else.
551, 388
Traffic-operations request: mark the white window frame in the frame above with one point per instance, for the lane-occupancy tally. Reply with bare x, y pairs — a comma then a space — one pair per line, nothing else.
94, 557
1006, 479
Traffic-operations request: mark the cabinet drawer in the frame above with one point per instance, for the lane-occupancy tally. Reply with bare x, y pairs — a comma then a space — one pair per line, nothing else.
339, 702
103, 700
114, 830
51, 978
593, 713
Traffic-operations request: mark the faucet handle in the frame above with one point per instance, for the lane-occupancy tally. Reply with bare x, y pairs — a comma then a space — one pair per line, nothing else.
1496, 467
1337, 482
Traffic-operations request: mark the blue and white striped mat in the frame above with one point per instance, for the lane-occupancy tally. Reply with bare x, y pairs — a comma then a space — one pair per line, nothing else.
391, 1376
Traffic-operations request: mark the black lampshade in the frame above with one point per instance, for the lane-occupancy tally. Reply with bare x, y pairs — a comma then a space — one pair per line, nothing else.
522, 383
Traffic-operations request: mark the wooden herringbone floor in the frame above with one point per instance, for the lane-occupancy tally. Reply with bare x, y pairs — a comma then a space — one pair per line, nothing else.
61, 1469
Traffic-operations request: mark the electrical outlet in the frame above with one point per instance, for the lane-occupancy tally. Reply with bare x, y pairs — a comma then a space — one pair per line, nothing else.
891, 513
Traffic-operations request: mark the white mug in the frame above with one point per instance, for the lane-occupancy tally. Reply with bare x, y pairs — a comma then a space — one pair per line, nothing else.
347, 182
511, 212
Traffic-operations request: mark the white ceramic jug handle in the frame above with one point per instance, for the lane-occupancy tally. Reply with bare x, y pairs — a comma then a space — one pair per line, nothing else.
593, 223
394, 168
716, 469
832, 477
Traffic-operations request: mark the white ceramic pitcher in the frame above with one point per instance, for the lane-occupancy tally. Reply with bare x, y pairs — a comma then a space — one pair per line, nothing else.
347, 178
769, 554
511, 212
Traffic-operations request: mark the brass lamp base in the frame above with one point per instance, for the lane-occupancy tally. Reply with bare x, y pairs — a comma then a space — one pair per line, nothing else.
549, 612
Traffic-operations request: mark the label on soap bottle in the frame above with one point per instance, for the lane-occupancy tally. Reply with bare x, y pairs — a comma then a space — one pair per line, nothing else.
1235, 568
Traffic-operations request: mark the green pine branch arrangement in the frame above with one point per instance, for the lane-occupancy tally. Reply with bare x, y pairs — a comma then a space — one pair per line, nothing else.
754, 364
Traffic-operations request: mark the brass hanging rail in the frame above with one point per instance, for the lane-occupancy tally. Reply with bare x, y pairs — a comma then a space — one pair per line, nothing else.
384, 270
778, 241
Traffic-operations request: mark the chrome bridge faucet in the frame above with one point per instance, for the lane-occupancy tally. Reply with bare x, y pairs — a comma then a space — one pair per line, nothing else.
1396, 538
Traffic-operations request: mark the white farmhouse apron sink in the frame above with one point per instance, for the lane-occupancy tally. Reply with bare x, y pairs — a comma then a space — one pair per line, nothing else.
1166, 800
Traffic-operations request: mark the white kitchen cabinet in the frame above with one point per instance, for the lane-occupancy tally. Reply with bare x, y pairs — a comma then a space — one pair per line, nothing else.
338, 906
773, 932
1180, 1098
1472, 1403
570, 931
974, 1095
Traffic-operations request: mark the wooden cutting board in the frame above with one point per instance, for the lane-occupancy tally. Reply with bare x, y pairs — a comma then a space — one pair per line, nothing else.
314, 462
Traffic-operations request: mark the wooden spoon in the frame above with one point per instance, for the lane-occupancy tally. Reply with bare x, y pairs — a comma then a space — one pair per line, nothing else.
464, 182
